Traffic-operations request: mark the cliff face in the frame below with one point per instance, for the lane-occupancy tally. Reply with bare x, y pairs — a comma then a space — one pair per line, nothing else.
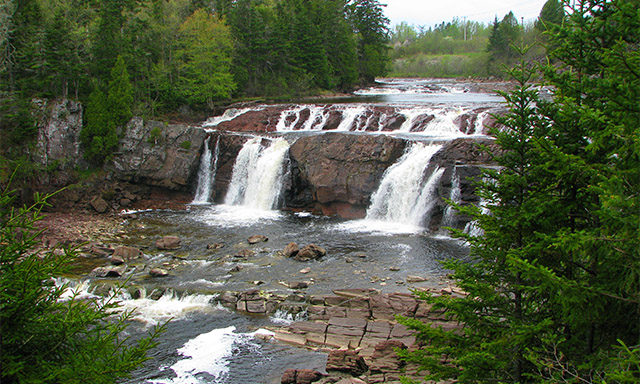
158, 154
331, 169
337, 173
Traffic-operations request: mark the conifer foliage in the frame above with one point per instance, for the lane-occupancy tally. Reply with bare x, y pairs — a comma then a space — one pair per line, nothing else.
47, 336
553, 284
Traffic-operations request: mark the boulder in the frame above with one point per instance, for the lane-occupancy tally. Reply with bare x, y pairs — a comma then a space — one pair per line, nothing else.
158, 272
301, 376
244, 253
126, 253
168, 243
257, 239
346, 361
291, 249
310, 252
109, 271
99, 204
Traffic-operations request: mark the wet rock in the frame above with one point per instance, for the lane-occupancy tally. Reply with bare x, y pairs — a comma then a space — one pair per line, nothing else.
295, 284
109, 271
236, 268
99, 204
304, 271
310, 252
291, 249
341, 171
127, 253
346, 361
215, 246
257, 239
158, 272
168, 243
300, 376
125, 203
415, 279
101, 251
244, 254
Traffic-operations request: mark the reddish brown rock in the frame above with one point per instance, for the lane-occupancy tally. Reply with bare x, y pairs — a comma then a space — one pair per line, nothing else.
168, 243
291, 249
300, 376
346, 361
310, 252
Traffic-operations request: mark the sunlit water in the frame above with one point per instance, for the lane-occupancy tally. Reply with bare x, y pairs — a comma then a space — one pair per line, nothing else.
207, 343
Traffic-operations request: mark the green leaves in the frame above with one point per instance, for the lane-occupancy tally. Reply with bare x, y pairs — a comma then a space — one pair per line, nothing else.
554, 282
45, 338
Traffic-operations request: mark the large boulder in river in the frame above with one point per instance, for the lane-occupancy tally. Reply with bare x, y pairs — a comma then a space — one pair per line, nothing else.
310, 252
300, 376
338, 172
159, 154
168, 242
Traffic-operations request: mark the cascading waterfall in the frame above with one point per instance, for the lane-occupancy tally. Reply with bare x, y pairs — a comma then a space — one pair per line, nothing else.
403, 195
449, 216
256, 181
207, 173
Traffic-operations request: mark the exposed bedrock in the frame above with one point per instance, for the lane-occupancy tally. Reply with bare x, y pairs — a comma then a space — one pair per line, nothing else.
337, 173
159, 154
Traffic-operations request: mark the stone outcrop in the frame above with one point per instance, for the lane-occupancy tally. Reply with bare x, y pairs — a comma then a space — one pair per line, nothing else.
168, 242
159, 154
58, 144
337, 173
359, 330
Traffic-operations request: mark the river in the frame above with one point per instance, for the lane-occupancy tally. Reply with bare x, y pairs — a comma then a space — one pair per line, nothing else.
208, 343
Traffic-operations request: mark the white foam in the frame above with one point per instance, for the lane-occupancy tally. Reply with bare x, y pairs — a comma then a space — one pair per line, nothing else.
236, 216
208, 353
168, 307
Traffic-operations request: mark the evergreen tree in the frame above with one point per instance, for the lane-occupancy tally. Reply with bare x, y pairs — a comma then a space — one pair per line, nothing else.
554, 282
47, 338
552, 13
99, 136
370, 24
120, 94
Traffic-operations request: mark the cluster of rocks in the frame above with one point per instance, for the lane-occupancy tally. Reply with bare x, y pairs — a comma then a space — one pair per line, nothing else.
359, 331
120, 257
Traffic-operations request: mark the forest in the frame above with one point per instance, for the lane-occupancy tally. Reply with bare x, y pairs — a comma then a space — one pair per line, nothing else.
162, 55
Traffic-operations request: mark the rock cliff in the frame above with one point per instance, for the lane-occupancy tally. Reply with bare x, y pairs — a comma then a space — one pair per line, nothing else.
158, 154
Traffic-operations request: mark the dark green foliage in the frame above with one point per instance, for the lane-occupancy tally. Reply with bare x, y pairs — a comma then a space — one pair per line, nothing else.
98, 136
371, 26
552, 13
45, 338
504, 36
120, 94
554, 282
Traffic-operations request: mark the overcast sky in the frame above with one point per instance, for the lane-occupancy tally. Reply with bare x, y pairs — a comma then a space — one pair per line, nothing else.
431, 12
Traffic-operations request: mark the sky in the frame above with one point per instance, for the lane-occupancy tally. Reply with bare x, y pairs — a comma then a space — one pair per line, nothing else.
431, 12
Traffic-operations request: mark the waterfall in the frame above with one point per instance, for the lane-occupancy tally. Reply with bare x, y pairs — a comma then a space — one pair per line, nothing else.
403, 195
256, 181
207, 173
449, 216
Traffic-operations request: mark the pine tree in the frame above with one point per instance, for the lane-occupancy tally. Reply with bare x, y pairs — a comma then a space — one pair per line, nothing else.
120, 94
554, 283
45, 337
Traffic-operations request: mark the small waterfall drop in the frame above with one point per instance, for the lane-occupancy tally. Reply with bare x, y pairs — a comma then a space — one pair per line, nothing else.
207, 173
403, 195
449, 216
256, 181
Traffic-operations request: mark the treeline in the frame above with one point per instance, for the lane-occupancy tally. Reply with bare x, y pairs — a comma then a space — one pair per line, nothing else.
462, 48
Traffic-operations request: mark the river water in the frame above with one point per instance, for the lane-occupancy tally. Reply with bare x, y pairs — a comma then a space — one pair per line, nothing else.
207, 343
